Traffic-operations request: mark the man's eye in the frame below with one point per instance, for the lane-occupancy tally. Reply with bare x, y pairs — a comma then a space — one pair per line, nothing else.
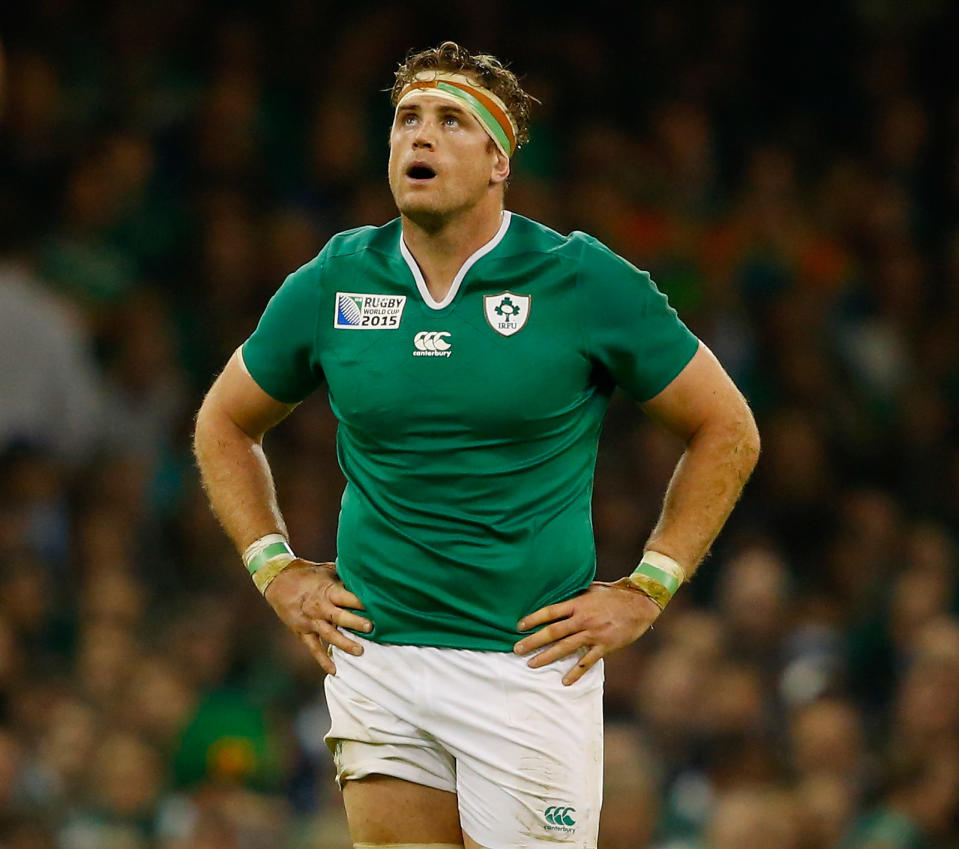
452, 121
409, 119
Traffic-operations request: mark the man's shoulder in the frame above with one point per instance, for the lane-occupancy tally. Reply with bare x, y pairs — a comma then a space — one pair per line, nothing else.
597, 267
350, 247
534, 236
361, 240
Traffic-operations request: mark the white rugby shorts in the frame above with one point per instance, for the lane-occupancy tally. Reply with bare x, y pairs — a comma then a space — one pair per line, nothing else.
523, 753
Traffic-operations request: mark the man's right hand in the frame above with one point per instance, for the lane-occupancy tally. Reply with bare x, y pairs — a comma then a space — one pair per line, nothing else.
311, 601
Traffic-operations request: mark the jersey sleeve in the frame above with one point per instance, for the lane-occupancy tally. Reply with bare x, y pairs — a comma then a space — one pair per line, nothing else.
281, 354
630, 328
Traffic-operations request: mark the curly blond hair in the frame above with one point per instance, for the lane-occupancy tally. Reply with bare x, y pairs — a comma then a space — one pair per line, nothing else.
487, 70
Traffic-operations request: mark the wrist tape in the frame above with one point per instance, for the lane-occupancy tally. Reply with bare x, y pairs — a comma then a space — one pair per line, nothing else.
266, 558
658, 577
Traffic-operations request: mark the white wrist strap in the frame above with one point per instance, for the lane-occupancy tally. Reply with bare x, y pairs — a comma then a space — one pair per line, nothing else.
666, 563
266, 558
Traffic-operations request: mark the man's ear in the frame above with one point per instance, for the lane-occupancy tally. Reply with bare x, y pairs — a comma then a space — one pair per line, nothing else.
501, 166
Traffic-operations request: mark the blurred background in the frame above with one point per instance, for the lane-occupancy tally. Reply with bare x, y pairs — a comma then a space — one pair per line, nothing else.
788, 172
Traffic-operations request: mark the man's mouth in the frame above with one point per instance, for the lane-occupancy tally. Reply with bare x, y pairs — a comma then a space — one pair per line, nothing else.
419, 171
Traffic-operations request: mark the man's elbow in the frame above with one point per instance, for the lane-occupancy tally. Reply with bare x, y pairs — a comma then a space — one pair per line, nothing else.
732, 432
211, 426
744, 440
201, 427
751, 444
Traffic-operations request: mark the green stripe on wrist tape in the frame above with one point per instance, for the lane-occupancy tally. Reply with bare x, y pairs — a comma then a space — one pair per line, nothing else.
670, 582
274, 549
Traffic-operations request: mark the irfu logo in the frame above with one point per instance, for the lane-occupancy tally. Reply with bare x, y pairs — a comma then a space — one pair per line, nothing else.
507, 309
507, 312
559, 817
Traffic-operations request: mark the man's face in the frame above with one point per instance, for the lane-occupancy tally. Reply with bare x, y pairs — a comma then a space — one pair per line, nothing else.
441, 159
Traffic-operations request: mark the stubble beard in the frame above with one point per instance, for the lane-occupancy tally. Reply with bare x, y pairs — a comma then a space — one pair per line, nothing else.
429, 214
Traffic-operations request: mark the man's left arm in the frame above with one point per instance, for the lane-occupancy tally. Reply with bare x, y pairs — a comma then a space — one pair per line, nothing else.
704, 408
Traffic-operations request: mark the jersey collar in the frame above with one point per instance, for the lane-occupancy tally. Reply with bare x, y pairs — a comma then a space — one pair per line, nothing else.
458, 279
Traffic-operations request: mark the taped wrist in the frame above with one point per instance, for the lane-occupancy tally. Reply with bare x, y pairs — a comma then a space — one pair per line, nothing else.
657, 576
266, 558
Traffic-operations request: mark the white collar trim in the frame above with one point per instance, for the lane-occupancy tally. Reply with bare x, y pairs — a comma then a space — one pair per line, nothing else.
457, 281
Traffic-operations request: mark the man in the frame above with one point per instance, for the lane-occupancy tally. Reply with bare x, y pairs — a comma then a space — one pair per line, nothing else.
469, 355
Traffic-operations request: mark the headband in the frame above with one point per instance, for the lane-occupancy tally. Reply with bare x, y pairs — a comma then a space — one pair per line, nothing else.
487, 108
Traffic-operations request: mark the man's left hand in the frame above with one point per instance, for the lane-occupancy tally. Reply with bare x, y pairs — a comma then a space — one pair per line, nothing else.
601, 620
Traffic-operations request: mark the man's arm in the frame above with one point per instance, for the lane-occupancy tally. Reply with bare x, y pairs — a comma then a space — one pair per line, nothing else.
702, 406
228, 444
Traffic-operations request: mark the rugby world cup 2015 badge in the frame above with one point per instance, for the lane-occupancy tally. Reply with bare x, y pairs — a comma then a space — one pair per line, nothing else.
354, 311
507, 313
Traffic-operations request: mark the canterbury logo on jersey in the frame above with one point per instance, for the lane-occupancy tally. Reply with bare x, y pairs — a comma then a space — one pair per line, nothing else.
432, 343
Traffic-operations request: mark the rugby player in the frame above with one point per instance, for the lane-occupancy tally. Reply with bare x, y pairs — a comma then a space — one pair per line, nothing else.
469, 355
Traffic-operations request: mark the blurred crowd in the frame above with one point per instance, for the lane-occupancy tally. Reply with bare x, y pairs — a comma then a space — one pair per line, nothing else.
791, 179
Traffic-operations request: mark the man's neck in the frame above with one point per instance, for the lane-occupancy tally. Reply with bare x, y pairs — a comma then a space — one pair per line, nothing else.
440, 252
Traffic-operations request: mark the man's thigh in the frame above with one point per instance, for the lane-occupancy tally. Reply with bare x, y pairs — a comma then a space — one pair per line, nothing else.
386, 810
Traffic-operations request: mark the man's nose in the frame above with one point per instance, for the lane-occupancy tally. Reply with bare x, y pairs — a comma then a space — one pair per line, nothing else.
425, 134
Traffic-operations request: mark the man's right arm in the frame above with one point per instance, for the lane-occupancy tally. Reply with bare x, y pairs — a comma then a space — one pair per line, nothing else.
228, 443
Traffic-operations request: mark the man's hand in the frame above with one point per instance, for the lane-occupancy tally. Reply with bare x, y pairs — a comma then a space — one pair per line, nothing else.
603, 619
311, 601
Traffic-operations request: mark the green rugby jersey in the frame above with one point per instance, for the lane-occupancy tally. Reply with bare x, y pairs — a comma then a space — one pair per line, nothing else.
468, 428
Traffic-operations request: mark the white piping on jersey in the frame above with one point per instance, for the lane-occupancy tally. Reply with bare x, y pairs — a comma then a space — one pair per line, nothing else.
458, 279
246, 371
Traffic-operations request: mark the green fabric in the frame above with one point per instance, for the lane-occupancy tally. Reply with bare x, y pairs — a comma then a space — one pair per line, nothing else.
886, 827
91, 272
227, 740
469, 476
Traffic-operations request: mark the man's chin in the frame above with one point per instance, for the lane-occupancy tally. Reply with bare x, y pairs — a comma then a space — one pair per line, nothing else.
421, 211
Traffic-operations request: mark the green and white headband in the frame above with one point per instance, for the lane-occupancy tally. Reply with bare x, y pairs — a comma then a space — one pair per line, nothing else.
488, 109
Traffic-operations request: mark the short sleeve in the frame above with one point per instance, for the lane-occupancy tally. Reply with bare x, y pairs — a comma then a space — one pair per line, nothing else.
631, 330
280, 354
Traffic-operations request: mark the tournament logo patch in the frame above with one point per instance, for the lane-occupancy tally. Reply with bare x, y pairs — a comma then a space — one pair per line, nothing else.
506, 312
355, 311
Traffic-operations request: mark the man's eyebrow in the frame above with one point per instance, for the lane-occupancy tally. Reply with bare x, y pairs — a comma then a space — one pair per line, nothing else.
446, 106
442, 108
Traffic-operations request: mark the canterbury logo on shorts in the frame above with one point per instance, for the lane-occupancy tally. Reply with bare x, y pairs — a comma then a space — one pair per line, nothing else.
432, 343
560, 818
